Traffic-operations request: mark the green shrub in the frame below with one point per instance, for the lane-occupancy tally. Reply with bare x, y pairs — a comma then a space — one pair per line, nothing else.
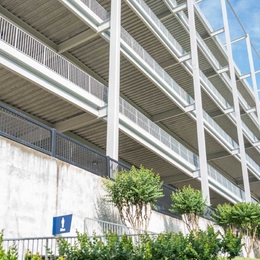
206, 244
170, 246
202, 245
134, 193
11, 253
231, 244
30, 256
189, 203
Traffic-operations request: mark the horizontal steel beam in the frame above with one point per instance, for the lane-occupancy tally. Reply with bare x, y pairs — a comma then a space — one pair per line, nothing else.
220, 155
76, 40
251, 180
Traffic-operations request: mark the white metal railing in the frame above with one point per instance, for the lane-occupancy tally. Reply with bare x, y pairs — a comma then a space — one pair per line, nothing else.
142, 121
219, 178
253, 164
23, 42
98, 9
101, 228
215, 92
207, 83
249, 132
220, 131
185, 19
138, 49
161, 27
35, 245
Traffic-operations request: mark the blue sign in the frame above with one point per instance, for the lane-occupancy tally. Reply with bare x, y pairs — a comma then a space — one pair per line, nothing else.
61, 224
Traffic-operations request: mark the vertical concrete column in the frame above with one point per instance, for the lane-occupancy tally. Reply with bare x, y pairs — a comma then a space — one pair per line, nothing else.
236, 103
114, 81
252, 70
198, 104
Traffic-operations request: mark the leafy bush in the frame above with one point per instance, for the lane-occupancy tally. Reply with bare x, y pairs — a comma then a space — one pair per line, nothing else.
231, 244
134, 193
11, 253
206, 244
223, 216
243, 218
189, 203
30, 256
203, 245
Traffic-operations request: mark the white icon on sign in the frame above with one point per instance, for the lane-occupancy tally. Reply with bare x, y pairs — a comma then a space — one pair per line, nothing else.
62, 225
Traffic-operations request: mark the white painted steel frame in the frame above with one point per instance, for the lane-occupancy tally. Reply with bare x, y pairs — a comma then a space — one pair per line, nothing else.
198, 104
252, 70
114, 81
236, 104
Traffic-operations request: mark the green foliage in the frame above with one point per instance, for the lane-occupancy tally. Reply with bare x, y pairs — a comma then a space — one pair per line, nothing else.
206, 244
30, 256
170, 246
134, 186
247, 216
243, 218
188, 200
231, 244
203, 245
134, 193
223, 216
11, 253
189, 203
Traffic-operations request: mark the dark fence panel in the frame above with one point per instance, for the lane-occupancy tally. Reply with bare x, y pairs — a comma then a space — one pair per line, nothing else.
115, 166
164, 204
29, 132
25, 130
74, 152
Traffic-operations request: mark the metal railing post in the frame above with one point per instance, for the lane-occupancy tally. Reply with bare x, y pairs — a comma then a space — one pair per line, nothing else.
53, 142
108, 167
46, 249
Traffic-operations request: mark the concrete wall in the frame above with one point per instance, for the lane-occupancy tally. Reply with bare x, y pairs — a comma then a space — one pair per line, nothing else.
34, 187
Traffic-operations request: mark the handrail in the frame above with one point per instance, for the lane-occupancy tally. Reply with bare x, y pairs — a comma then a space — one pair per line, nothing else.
134, 115
200, 12
141, 52
98, 9
23, 42
102, 227
162, 27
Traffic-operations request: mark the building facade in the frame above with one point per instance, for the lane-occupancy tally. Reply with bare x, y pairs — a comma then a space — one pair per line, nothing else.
140, 81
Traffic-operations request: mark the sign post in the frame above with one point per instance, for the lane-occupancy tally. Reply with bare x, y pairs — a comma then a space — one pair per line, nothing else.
61, 224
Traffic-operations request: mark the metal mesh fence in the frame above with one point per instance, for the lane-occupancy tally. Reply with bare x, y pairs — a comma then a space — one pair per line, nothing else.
164, 204
115, 166
80, 155
25, 131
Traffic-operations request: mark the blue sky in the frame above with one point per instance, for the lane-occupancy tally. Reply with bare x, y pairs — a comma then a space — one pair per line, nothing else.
248, 12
